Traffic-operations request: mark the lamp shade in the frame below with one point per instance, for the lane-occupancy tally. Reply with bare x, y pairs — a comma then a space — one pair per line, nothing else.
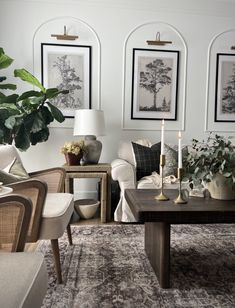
89, 122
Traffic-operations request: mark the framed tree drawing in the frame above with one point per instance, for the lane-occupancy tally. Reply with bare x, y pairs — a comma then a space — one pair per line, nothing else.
225, 88
68, 67
154, 84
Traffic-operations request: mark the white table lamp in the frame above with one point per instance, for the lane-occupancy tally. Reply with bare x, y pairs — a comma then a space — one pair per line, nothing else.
90, 123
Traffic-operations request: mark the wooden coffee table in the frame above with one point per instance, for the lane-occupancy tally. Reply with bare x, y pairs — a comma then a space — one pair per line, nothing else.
159, 215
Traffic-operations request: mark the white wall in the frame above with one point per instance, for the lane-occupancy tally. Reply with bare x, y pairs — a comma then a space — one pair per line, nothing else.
197, 21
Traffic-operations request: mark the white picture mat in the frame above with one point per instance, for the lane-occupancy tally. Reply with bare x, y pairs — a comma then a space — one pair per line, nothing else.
141, 58
78, 59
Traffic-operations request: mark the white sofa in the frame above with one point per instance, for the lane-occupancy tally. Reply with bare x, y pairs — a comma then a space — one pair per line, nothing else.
124, 171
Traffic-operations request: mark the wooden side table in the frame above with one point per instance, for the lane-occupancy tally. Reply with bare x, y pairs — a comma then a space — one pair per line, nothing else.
102, 171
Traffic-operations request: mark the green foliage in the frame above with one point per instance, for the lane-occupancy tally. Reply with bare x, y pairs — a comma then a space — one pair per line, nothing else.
24, 118
207, 158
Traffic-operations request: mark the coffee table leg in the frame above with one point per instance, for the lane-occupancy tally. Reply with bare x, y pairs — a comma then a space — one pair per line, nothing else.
157, 247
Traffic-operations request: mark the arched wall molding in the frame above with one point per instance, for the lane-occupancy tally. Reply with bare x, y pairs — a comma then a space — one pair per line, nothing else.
87, 36
210, 125
148, 124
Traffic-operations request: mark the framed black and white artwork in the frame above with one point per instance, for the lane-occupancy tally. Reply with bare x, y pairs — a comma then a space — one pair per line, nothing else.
225, 88
67, 67
154, 84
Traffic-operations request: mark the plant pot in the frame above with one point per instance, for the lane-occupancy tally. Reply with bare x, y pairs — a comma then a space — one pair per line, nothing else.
72, 159
219, 188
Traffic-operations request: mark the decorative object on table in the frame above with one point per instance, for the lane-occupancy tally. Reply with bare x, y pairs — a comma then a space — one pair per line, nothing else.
212, 162
74, 152
25, 118
180, 199
225, 88
162, 196
86, 208
154, 84
90, 123
68, 66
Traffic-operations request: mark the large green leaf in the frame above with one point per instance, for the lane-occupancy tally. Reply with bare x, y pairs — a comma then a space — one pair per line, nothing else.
5, 60
10, 99
34, 122
46, 115
53, 92
10, 122
57, 114
4, 114
5, 133
2, 78
8, 86
28, 77
29, 94
22, 141
39, 136
14, 120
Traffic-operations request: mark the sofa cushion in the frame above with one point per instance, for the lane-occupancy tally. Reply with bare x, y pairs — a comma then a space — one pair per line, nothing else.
13, 172
125, 150
7, 178
16, 169
147, 159
23, 281
171, 156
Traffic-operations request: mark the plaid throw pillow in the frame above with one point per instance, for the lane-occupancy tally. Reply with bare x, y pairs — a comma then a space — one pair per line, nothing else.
147, 159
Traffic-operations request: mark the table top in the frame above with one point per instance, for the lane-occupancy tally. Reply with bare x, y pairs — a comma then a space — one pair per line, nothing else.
146, 208
102, 167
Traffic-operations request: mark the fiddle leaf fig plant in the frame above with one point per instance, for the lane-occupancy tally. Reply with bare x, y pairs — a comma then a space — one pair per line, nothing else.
210, 157
24, 118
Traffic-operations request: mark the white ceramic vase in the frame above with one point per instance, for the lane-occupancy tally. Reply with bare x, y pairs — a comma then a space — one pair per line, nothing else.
219, 188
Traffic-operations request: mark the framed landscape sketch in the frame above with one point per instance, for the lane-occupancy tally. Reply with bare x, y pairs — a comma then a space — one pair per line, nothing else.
68, 67
225, 88
154, 84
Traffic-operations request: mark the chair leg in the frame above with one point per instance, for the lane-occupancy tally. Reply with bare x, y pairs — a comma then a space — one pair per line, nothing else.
69, 235
56, 254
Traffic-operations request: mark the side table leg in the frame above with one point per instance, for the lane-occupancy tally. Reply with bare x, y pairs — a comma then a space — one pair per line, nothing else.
157, 247
103, 198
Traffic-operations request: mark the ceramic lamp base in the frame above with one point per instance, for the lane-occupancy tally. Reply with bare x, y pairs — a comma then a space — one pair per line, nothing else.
93, 150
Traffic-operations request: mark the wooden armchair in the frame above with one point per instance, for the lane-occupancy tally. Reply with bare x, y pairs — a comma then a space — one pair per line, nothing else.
23, 280
51, 208
15, 214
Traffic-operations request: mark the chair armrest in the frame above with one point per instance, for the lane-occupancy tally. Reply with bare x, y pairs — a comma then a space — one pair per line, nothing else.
15, 214
54, 177
122, 171
36, 190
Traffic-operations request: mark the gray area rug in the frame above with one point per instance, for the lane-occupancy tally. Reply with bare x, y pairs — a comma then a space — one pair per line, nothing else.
107, 267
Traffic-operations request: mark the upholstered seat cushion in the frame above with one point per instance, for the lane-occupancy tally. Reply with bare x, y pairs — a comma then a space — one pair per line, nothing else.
23, 280
57, 211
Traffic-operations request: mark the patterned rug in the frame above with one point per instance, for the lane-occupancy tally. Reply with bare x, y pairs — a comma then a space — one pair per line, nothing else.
107, 268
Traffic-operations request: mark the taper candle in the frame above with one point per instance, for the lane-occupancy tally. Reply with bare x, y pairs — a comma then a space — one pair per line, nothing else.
162, 137
179, 151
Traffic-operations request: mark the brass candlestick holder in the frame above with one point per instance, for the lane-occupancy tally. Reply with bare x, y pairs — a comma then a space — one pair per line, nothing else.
180, 199
162, 196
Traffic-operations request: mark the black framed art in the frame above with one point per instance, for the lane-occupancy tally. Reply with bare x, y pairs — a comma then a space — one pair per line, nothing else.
154, 84
225, 88
68, 67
